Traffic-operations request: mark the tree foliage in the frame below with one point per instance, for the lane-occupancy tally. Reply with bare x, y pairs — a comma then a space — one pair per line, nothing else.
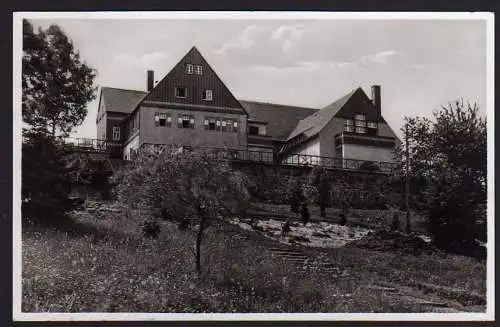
188, 187
56, 84
45, 184
449, 153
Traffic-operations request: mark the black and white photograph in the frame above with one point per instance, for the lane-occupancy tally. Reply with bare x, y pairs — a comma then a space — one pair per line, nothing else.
253, 166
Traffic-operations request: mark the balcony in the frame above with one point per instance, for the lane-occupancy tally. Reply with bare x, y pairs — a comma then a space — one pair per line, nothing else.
360, 139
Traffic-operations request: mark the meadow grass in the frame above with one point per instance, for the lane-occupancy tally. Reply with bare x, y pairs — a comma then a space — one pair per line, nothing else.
104, 264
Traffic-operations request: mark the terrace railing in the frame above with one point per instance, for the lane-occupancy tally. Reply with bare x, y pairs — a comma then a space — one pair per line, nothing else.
303, 160
95, 145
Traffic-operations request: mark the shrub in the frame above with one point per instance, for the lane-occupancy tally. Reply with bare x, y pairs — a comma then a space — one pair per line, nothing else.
151, 229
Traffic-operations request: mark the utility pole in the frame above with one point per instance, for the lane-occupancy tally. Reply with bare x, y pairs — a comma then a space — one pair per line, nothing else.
407, 180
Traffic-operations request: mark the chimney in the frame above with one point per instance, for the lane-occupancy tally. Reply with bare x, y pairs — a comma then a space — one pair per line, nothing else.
376, 100
151, 78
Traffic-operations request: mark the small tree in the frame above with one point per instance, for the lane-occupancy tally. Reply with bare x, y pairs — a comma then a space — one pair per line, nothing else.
449, 154
56, 85
318, 179
191, 188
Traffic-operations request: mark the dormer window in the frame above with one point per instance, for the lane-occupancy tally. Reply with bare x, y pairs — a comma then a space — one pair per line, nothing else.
372, 124
198, 69
189, 69
180, 92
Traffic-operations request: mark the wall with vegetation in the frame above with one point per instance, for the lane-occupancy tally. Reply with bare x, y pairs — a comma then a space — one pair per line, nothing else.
363, 190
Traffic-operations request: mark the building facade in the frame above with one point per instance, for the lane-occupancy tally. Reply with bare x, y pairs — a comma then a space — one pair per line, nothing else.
191, 106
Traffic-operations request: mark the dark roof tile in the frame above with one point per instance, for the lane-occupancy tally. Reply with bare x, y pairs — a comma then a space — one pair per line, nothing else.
281, 119
121, 100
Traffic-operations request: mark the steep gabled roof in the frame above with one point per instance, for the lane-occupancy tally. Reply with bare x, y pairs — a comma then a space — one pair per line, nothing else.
164, 91
311, 125
280, 119
120, 100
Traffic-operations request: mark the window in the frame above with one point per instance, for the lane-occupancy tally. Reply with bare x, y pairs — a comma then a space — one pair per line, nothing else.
185, 121
372, 124
206, 95
116, 133
198, 69
189, 69
360, 123
348, 125
210, 124
163, 119
253, 130
360, 117
180, 92
361, 130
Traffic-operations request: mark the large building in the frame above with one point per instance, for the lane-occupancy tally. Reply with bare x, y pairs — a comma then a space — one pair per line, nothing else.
192, 107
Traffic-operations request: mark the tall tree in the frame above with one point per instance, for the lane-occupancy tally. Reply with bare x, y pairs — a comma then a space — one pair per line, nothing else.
56, 84
448, 153
189, 187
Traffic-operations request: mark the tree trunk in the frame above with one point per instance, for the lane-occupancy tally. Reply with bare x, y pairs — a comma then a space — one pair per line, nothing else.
198, 245
53, 129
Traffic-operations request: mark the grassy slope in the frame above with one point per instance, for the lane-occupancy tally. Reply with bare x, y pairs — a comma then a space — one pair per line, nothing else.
104, 265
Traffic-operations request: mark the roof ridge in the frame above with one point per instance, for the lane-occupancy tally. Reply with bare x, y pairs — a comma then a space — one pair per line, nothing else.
344, 97
122, 89
314, 120
278, 104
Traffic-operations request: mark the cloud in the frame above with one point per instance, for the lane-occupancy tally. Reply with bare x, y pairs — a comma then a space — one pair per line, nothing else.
146, 60
308, 66
380, 57
288, 36
245, 42
265, 46
417, 66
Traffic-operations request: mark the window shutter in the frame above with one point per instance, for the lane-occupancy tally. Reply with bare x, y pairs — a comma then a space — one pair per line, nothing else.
191, 122
169, 121
235, 126
157, 119
179, 122
217, 125
205, 123
224, 126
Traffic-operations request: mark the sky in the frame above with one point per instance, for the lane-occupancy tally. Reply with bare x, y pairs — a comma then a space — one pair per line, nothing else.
420, 64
